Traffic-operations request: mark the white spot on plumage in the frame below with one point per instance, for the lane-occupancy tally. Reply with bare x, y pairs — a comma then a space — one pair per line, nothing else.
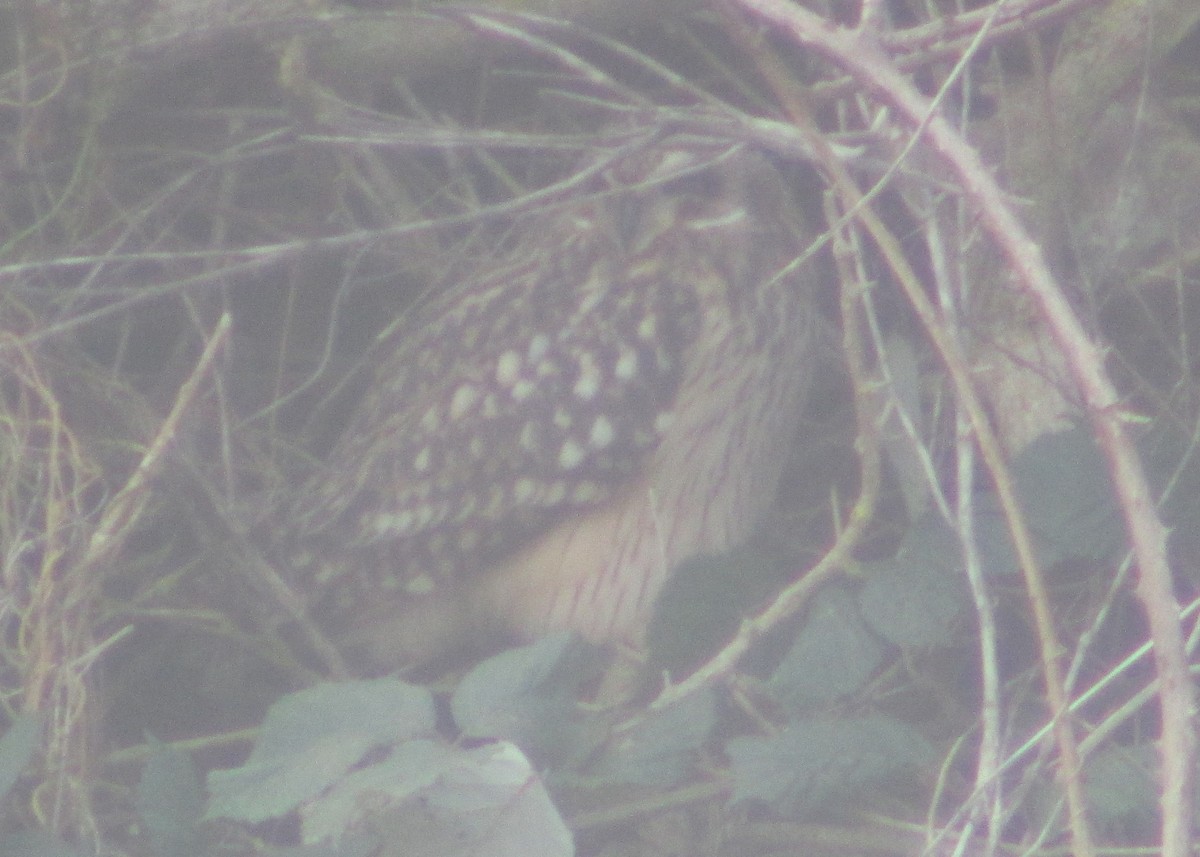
570, 455
508, 368
528, 438
590, 299
602, 433
538, 346
524, 489
522, 390
463, 400
401, 522
587, 385
627, 364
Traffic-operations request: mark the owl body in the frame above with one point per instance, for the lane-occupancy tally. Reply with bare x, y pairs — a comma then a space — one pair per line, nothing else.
547, 438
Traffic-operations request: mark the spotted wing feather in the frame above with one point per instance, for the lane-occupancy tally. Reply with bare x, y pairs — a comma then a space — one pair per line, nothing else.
515, 398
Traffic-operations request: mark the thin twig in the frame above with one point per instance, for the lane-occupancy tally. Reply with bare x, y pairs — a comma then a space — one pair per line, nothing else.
859, 54
840, 555
126, 506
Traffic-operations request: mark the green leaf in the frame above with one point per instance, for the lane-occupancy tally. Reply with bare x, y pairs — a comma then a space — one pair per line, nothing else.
1065, 492
811, 764
1067, 496
1120, 785
1172, 465
439, 800
17, 747
915, 598
704, 603
660, 749
833, 655
36, 844
311, 738
997, 555
525, 695
410, 769
170, 801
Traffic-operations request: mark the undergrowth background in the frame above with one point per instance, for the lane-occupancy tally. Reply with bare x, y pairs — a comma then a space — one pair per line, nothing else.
210, 211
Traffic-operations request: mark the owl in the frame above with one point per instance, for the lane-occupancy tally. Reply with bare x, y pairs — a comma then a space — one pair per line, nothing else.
611, 392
